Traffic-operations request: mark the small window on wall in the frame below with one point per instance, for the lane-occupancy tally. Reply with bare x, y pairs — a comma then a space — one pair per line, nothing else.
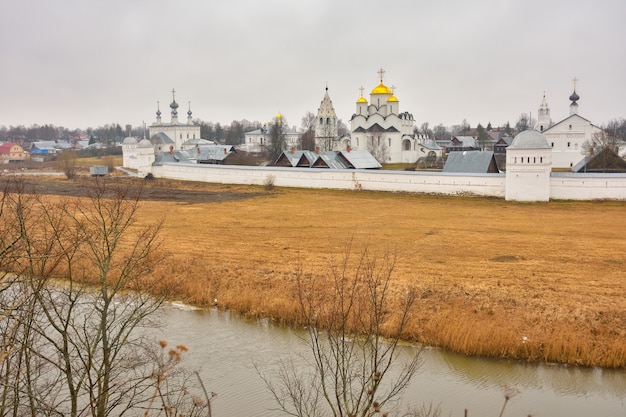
569, 144
389, 142
553, 144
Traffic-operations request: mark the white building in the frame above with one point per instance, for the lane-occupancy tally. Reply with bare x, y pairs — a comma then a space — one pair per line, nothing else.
528, 167
257, 141
138, 155
567, 136
177, 131
379, 127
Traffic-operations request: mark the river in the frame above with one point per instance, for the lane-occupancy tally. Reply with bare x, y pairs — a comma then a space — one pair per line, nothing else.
226, 348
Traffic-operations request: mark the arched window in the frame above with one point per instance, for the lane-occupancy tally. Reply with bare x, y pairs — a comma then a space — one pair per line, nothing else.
328, 120
406, 145
321, 120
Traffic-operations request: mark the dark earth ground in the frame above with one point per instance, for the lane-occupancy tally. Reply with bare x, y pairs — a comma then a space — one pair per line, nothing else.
151, 190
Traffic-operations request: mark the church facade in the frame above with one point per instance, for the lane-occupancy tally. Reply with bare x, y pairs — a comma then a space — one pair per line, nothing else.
378, 126
179, 132
568, 137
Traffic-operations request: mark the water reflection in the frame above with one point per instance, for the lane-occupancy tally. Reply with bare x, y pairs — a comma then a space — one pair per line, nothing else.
226, 348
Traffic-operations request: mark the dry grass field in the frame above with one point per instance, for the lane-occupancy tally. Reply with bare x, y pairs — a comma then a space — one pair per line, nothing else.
531, 281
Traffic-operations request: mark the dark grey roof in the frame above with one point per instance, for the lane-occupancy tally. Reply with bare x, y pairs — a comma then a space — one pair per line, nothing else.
530, 139
175, 156
214, 152
466, 141
360, 159
161, 139
198, 142
469, 161
330, 159
430, 145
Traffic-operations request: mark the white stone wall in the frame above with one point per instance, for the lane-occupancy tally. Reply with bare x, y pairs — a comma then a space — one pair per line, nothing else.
394, 181
571, 186
567, 186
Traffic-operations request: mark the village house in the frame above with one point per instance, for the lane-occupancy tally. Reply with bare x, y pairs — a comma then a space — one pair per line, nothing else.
12, 153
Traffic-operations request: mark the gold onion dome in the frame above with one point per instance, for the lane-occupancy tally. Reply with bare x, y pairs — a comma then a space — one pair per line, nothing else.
361, 100
392, 98
381, 89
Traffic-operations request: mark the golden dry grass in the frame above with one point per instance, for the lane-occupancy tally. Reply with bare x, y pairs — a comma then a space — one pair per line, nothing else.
540, 281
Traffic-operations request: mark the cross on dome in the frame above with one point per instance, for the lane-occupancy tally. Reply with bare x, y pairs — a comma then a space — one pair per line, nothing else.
361, 90
381, 73
574, 80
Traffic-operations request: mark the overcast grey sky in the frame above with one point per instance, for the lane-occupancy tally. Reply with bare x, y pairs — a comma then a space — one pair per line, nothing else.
80, 63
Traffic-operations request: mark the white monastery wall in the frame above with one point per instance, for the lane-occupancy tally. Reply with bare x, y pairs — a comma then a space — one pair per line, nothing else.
394, 181
567, 186
571, 186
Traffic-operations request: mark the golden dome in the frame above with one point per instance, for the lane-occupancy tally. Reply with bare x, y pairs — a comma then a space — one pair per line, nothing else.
279, 116
361, 100
392, 98
381, 89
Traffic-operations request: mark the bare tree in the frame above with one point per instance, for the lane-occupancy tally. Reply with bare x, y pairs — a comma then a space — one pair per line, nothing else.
76, 347
342, 128
600, 141
377, 147
277, 138
524, 122
440, 132
353, 329
66, 161
308, 137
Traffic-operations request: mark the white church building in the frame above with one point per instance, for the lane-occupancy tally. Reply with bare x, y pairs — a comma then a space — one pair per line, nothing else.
380, 127
567, 137
176, 132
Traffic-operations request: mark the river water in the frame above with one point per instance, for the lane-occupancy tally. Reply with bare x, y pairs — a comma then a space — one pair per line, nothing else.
226, 348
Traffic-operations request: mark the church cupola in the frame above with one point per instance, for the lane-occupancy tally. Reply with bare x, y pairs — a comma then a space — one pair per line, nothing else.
174, 107
158, 114
189, 113
361, 104
573, 107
